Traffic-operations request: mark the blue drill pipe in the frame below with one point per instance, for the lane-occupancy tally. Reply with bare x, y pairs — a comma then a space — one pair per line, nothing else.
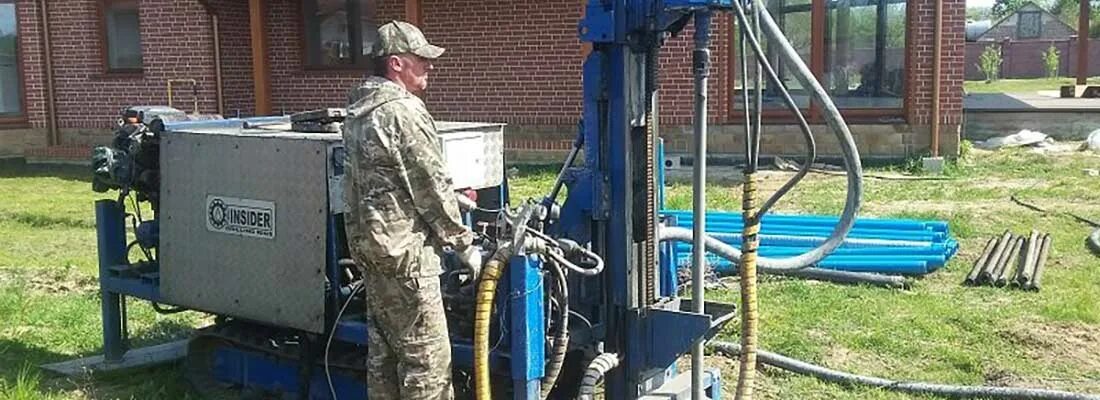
911, 267
851, 251
815, 231
821, 220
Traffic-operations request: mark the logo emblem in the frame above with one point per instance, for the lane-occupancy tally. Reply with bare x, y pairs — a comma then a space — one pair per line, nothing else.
241, 217
217, 213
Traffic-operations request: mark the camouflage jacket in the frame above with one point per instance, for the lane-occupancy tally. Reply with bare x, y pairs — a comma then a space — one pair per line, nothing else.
400, 198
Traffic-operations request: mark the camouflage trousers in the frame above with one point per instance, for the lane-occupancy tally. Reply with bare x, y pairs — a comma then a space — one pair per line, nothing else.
409, 350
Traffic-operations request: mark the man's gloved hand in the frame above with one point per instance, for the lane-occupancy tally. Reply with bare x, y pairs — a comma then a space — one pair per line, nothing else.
471, 258
465, 203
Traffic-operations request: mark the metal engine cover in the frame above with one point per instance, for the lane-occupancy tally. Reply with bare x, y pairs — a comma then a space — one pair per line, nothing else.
244, 214
244, 219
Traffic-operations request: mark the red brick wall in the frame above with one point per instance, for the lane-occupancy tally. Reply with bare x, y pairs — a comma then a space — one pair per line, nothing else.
514, 62
677, 86
236, 56
30, 52
526, 69
921, 41
176, 44
294, 88
510, 61
1024, 58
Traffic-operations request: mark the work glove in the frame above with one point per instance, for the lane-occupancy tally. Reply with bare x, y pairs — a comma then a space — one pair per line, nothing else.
465, 203
471, 258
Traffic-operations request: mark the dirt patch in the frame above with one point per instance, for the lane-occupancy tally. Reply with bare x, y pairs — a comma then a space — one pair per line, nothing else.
1064, 343
1004, 378
49, 281
1009, 183
844, 359
973, 207
951, 207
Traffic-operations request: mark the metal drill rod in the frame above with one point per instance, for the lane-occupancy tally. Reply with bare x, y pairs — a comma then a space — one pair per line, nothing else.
701, 64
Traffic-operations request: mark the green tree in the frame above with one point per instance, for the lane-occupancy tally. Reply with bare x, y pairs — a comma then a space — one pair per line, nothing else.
7, 44
1002, 8
1050, 61
978, 13
990, 63
1067, 11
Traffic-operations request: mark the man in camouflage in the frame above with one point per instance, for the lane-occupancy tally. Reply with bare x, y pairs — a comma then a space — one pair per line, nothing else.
403, 212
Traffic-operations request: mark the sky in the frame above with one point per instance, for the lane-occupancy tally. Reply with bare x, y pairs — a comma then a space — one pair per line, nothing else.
7, 18
979, 3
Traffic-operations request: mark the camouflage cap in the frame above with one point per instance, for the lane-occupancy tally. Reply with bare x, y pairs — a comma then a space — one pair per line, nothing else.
398, 37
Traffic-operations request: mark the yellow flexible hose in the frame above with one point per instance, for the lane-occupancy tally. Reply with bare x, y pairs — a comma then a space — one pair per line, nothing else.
749, 245
483, 316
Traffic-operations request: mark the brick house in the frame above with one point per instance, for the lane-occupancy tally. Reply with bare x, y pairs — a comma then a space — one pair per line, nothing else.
517, 62
1028, 22
1023, 37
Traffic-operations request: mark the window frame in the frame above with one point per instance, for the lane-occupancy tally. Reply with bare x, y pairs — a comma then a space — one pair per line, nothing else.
105, 45
359, 62
19, 119
814, 113
1019, 24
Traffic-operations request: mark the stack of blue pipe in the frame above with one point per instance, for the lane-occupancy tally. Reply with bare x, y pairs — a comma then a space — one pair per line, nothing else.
879, 245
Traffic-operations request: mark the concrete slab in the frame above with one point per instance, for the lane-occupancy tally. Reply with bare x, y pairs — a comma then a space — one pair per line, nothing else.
135, 358
1038, 101
933, 164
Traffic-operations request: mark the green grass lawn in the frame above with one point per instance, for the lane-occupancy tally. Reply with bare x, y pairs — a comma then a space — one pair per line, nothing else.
937, 331
1021, 85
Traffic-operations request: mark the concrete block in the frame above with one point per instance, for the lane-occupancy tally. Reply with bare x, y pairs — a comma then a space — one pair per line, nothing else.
933, 164
136, 358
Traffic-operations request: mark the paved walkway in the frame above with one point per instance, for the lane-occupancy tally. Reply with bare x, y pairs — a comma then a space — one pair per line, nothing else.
1036, 101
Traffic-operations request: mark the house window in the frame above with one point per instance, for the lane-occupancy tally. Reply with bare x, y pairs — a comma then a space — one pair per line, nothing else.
122, 35
11, 87
338, 33
794, 17
859, 45
1029, 25
865, 53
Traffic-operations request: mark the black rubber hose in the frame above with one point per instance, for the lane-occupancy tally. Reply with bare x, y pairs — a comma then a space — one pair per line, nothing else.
1094, 241
830, 275
166, 310
594, 374
561, 337
844, 378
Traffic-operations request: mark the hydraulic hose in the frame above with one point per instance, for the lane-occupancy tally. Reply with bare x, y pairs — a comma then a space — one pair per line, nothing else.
483, 311
835, 122
749, 318
561, 338
1094, 241
832, 275
553, 196
752, 137
595, 372
955, 391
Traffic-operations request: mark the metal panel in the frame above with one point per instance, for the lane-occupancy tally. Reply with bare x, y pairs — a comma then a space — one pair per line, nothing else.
275, 278
474, 153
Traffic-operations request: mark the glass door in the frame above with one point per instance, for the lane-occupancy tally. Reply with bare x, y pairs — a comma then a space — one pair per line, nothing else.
11, 89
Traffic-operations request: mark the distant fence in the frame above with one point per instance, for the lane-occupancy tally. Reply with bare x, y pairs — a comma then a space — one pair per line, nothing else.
1024, 58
